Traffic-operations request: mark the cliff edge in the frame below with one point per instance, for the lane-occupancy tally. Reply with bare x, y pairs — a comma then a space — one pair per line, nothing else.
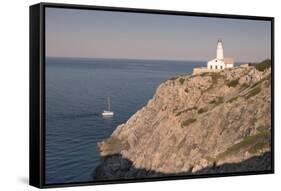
196, 124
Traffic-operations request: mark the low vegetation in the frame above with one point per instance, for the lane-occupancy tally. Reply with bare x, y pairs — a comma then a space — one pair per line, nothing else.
205, 74
267, 78
216, 77
232, 99
178, 114
252, 143
233, 83
262, 129
188, 122
253, 92
244, 86
186, 110
213, 101
202, 110
181, 80
220, 100
258, 146
217, 100
262, 66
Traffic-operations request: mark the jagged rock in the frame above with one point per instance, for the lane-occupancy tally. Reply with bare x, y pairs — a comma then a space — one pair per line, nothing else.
193, 123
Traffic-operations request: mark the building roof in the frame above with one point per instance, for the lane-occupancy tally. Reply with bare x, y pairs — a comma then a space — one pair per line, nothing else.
228, 61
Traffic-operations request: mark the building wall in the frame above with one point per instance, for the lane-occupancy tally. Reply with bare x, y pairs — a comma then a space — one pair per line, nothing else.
216, 64
203, 70
244, 65
229, 66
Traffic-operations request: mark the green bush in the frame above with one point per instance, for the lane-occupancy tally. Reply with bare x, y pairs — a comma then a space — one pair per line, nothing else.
244, 86
215, 77
181, 80
186, 110
253, 92
177, 114
268, 77
217, 100
263, 65
258, 146
202, 110
220, 100
213, 101
188, 122
254, 142
194, 108
205, 74
233, 83
261, 128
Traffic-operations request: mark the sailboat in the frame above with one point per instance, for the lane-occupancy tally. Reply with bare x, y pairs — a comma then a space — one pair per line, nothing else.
108, 112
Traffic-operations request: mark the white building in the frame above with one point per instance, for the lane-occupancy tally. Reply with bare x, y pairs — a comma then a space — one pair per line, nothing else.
220, 63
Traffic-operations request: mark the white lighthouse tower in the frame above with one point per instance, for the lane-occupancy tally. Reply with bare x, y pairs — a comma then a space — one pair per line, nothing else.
219, 50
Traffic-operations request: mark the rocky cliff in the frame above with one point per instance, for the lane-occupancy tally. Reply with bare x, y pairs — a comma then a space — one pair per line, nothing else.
196, 124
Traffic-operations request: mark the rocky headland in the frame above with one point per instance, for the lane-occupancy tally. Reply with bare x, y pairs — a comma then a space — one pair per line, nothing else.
196, 124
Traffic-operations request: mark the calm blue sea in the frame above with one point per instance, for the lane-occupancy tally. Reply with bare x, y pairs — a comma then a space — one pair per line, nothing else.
76, 94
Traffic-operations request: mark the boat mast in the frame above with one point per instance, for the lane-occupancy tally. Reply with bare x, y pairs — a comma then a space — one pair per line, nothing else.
108, 102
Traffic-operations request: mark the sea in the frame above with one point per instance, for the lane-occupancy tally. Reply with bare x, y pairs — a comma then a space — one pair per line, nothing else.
77, 90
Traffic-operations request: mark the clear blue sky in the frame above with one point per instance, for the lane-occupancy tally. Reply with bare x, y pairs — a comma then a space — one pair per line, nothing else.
104, 34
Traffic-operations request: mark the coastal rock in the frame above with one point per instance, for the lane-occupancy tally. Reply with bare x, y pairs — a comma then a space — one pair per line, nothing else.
195, 124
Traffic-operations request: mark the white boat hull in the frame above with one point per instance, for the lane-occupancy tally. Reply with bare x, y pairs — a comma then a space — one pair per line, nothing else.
107, 113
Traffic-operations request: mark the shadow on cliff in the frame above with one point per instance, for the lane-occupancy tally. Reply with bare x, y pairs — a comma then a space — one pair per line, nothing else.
116, 167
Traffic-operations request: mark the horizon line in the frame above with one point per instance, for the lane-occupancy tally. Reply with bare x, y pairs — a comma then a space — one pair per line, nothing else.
152, 59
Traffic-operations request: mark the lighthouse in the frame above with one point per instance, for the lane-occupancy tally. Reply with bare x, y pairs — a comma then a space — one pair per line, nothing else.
219, 50
220, 63
217, 64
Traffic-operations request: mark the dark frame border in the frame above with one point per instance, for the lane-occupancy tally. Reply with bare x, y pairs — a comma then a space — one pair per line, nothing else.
37, 92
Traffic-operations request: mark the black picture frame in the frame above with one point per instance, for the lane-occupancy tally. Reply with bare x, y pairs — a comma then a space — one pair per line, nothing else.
37, 92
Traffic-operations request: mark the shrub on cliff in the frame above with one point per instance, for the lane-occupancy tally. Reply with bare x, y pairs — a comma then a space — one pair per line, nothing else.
253, 92
181, 80
188, 122
217, 101
202, 110
233, 83
263, 65
253, 143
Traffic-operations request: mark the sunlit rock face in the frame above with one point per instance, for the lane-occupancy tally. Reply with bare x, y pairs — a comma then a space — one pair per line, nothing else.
196, 124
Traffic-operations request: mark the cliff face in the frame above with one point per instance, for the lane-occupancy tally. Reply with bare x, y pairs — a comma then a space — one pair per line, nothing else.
194, 123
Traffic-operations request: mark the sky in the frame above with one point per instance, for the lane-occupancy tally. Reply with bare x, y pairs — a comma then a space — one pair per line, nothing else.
107, 34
